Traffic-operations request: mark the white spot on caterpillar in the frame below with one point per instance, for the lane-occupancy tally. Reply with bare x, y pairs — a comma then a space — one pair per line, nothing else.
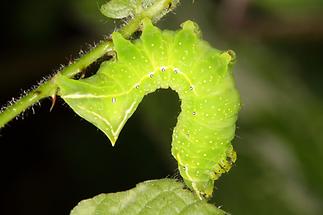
114, 100
163, 68
176, 70
151, 74
194, 113
137, 86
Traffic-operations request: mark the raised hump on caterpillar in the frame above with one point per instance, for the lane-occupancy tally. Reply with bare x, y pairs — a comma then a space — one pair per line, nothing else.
179, 60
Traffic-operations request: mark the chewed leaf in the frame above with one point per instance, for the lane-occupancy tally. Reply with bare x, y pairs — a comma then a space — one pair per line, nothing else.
166, 196
118, 9
179, 60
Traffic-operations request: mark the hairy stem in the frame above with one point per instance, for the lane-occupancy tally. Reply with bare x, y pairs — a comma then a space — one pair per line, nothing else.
44, 90
49, 88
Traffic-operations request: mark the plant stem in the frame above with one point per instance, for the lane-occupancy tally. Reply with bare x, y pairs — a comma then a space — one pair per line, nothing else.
86, 60
49, 87
44, 90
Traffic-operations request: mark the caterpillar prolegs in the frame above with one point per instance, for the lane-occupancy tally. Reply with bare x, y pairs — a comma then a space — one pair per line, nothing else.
179, 60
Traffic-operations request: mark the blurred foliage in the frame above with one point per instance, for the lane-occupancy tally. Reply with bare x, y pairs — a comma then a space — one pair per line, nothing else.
52, 161
291, 7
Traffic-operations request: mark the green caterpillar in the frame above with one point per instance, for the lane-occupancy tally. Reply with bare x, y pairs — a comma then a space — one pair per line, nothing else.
179, 60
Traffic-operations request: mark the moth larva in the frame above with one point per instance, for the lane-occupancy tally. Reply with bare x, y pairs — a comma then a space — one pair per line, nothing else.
179, 60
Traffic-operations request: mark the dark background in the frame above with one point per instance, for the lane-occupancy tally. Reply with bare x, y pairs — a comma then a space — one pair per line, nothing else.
51, 160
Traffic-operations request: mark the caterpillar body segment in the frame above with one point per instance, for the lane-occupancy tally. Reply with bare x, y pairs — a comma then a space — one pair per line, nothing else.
179, 60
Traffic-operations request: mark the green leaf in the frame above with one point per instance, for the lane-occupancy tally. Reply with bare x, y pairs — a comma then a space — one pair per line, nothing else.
165, 196
119, 9
154, 9
148, 3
